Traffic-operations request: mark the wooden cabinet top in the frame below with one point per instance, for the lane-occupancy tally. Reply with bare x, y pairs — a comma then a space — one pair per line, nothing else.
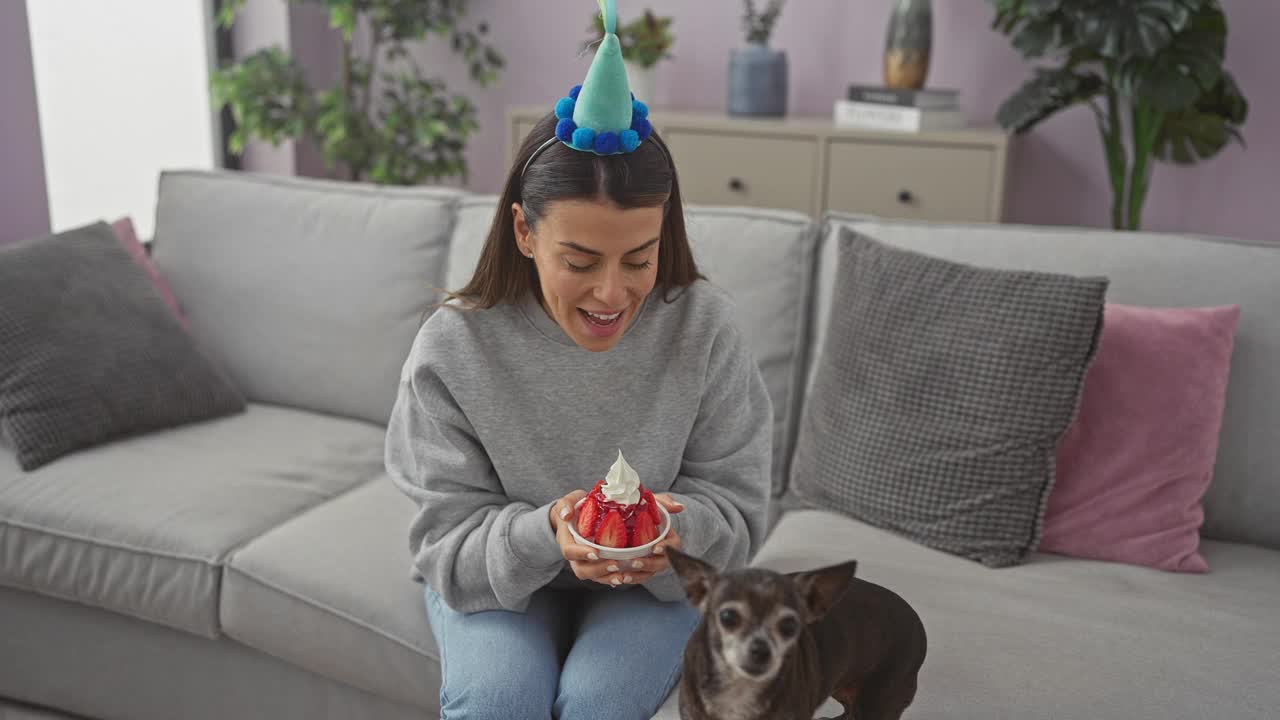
819, 127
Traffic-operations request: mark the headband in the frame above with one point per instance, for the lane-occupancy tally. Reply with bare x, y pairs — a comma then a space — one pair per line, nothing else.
601, 115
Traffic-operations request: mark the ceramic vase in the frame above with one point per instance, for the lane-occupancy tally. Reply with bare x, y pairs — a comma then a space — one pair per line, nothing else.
908, 44
757, 81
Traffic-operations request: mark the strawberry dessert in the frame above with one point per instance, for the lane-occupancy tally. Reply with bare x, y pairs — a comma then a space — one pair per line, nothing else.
619, 512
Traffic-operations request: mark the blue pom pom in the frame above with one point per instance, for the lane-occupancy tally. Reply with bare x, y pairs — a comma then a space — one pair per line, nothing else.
564, 107
565, 128
642, 127
574, 92
584, 138
633, 97
629, 140
639, 109
606, 143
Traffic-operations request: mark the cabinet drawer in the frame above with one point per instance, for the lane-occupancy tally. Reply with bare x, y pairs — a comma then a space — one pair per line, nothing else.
938, 183
743, 169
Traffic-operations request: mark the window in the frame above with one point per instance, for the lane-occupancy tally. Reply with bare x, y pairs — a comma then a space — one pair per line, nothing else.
123, 93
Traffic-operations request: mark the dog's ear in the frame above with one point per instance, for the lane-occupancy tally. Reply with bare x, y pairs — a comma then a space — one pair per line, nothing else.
696, 575
820, 589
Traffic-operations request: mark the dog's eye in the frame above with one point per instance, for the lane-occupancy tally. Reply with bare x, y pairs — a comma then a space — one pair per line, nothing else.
788, 627
729, 618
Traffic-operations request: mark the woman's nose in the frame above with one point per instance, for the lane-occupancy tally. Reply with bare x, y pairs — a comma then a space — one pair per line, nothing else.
612, 291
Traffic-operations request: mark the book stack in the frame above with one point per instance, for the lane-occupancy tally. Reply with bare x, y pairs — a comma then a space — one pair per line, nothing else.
873, 107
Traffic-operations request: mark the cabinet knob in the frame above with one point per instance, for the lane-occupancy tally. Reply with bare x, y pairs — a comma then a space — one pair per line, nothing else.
736, 184
905, 197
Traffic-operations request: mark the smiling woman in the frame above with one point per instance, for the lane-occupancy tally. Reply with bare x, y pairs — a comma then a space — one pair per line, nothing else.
585, 332
597, 268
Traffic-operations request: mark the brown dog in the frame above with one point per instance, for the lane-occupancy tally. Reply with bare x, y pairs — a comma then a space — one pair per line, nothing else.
776, 646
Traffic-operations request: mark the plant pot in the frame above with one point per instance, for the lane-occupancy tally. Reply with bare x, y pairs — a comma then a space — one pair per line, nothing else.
908, 44
757, 81
642, 82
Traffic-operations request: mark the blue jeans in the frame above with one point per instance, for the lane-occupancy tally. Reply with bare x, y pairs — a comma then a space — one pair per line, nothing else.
573, 655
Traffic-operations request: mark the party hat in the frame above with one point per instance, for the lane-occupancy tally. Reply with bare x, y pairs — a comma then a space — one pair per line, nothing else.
602, 115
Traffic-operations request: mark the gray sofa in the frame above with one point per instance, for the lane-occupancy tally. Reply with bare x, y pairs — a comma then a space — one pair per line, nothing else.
256, 566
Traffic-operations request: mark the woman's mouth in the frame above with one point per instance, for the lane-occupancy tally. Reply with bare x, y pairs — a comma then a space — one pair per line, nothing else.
601, 324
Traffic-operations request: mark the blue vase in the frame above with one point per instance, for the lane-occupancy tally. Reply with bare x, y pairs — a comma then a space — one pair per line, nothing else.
757, 81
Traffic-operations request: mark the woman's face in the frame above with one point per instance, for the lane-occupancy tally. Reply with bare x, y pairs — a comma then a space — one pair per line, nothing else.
596, 264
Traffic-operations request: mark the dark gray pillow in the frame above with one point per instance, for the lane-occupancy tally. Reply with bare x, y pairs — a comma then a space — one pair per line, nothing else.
90, 352
941, 394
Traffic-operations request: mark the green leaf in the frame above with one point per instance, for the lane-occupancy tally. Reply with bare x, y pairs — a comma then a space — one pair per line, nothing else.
342, 16
1190, 65
1124, 29
227, 11
1045, 94
1199, 133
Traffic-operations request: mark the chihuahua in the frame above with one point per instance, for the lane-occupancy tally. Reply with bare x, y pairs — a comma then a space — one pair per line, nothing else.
775, 646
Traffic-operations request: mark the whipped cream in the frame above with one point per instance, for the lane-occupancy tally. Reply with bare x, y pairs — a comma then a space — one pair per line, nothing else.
622, 484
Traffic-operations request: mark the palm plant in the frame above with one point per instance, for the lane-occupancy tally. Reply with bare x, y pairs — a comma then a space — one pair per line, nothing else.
1150, 70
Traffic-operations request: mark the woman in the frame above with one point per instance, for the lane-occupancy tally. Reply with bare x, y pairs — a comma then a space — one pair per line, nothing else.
586, 330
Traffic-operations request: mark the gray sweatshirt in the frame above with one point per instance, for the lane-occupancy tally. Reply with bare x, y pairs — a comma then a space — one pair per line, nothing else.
500, 414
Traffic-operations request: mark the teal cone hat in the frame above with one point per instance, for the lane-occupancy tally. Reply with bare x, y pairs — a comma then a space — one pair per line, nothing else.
601, 115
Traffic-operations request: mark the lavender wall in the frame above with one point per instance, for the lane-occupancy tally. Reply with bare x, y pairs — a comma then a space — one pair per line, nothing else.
24, 206
1058, 175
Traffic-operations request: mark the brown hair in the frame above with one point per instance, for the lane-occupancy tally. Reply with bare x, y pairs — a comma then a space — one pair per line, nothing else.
643, 178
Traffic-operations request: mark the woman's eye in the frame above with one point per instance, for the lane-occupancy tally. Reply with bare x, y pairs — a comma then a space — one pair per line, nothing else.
579, 268
640, 266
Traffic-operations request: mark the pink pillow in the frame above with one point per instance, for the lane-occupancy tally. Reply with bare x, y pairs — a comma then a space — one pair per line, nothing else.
129, 239
1135, 464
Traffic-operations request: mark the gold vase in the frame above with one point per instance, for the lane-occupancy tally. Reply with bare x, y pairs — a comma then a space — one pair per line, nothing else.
908, 44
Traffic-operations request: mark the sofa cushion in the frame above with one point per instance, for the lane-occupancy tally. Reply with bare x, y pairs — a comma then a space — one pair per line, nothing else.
1065, 638
763, 258
142, 526
470, 230
99, 664
1152, 269
941, 395
309, 292
90, 353
328, 591
1137, 460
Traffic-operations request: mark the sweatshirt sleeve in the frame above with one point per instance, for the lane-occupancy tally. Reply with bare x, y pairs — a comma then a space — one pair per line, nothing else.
472, 544
724, 481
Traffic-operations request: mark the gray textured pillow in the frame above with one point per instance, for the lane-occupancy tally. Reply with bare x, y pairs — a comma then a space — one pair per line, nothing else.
90, 352
941, 394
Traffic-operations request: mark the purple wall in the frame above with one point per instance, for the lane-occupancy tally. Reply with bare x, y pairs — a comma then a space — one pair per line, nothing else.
24, 206
1058, 174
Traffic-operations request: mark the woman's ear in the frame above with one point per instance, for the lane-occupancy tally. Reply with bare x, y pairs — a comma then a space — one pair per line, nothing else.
521, 225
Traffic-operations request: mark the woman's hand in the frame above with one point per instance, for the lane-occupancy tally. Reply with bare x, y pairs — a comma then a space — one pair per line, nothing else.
587, 565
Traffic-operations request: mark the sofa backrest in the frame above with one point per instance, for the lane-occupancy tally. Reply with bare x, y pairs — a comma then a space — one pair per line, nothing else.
308, 292
763, 258
1154, 269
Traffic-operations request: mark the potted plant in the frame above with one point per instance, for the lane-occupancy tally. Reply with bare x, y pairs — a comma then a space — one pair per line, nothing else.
406, 130
758, 73
645, 42
1150, 70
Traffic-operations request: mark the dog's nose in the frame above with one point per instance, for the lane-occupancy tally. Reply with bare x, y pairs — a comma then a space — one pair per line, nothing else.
760, 652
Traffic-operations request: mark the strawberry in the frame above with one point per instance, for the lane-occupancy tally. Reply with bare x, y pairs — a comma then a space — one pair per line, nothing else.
596, 490
651, 504
588, 516
613, 531
645, 530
